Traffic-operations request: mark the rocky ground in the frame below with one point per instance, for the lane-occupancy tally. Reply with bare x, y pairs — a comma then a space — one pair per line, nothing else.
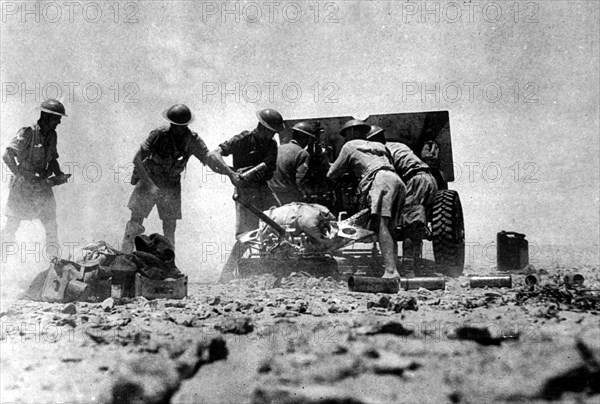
302, 339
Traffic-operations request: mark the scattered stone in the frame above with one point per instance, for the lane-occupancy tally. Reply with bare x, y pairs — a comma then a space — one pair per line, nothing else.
390, 327
240, 325
71, 360
314, 394
155, 379
213, 301
186, 320
108, 304
257, 309
67, 320
199, 354
69, 309
389, 363
98, 339
318, 309
286, 314
176, 305
581, 379
480, 335
407, 303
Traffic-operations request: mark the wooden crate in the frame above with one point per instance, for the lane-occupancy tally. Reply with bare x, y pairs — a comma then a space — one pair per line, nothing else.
166, 289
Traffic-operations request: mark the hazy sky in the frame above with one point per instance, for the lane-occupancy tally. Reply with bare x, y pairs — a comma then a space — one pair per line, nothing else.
520, 80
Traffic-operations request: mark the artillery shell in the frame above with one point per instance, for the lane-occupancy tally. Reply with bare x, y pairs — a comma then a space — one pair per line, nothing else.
491, 281
367, 284
431, 283
574, 279
532, 280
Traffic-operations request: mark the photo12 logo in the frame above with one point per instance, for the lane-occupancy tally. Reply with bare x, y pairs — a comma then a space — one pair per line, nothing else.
53, 12
69, 91
451, 12
269, 11
254, 92
470, 91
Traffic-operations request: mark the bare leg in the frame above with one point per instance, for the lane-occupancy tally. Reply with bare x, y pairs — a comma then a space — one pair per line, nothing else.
388, 249
230, 267
51, 228
133, 228
169, 230
10, 229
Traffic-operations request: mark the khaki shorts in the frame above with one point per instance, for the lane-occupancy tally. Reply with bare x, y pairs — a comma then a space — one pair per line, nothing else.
167, 201
27, 200
421, 189
386, 196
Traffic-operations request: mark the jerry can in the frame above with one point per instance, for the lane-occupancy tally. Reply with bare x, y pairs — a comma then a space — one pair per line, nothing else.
513, 251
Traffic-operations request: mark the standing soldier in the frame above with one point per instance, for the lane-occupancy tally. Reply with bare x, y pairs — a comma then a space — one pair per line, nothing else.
379, 183
254, 152
157, 174
291, 176
32, 158
421, 187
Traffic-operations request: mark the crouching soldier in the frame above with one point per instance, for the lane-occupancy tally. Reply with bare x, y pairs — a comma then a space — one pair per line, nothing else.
421, 187
379, 184
32, 157
291, 175
254, 162
157, 174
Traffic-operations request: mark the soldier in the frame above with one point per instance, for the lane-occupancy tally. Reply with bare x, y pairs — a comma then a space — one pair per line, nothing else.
32, 158
379, 183
157, 174
421, 187
255, 151
290, 178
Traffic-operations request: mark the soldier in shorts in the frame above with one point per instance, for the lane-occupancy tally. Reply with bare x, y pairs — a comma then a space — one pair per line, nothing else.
252, 151
385, 191
157, 175
421, 187
33, 160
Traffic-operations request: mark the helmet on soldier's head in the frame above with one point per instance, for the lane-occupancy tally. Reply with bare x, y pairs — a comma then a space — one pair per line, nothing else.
271, 119
355, 123
178, 114
304, 128
53, 107
375, 130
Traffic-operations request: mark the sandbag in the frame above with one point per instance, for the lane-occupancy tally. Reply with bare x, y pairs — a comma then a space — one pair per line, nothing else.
314, 220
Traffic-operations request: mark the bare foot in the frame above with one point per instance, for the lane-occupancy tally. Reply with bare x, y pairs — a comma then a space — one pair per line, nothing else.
391, 274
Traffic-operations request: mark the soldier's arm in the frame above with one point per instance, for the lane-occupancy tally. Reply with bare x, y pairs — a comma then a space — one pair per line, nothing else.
140, 169
11, 155
338, 168
54, 167
302, 172
271, 161
10, 159
215, 161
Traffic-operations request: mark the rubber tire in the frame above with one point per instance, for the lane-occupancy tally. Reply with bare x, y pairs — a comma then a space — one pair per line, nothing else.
448, 233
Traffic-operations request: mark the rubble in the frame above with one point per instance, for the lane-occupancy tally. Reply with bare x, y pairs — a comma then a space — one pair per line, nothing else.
240, 326
155, 379
581, 379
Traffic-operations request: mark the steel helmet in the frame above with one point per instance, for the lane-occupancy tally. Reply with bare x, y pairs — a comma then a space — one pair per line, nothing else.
304, 128
178, 114
53, 107
354, 123
271, 119
375, 130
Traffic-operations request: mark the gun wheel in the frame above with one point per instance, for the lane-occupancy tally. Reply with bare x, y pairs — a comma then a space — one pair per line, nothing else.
448, 233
